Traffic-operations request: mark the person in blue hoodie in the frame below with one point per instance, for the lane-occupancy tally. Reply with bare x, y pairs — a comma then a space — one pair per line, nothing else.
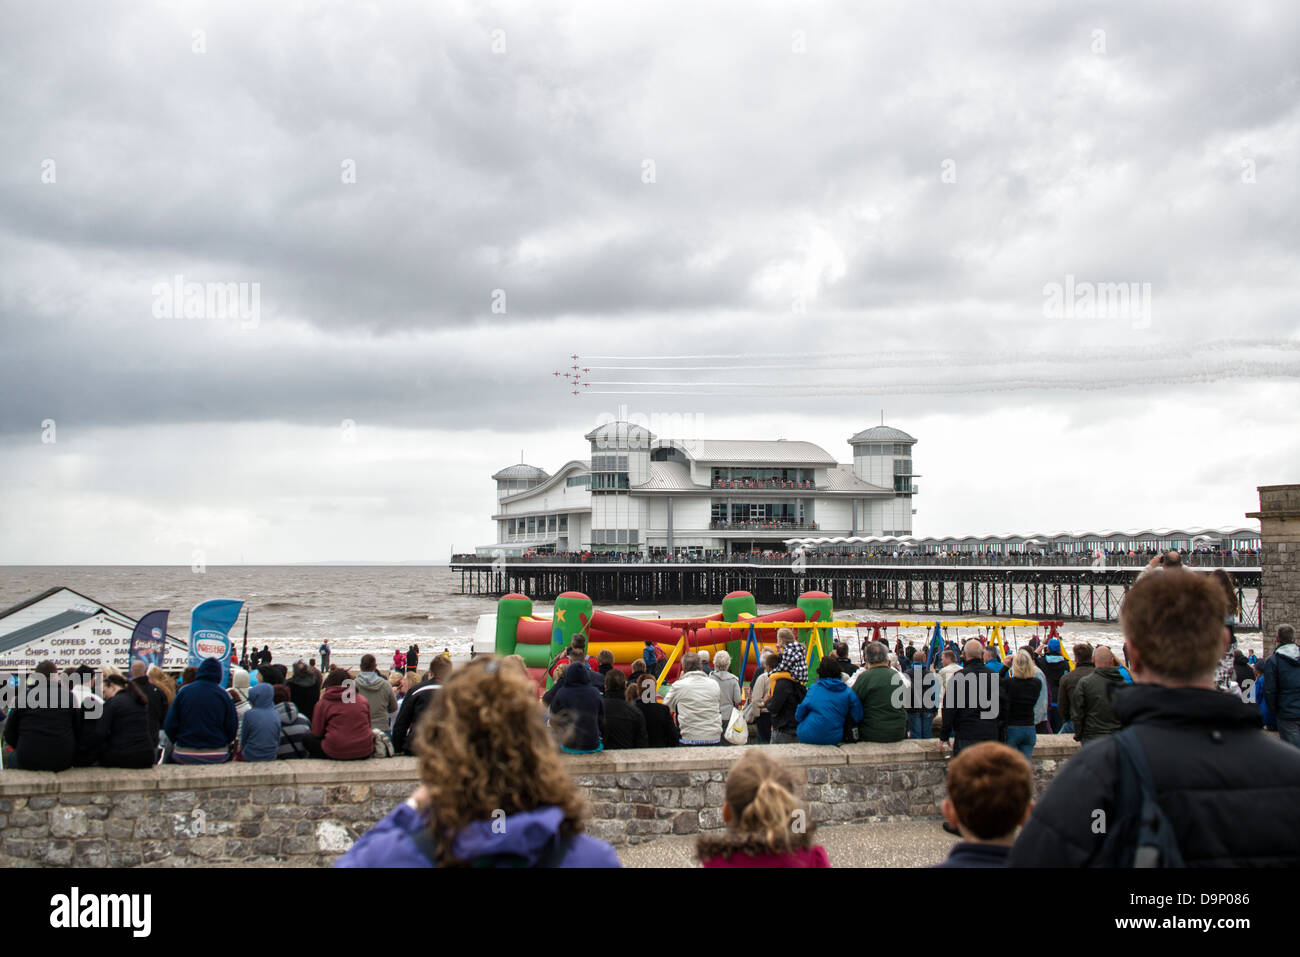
494, 791
201, 722
827, 706
259, 738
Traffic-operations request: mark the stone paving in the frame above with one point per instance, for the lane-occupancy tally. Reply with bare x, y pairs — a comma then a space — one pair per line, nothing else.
900, 844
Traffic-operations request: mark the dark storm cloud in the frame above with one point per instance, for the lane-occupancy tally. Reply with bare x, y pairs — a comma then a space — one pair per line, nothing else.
778, 175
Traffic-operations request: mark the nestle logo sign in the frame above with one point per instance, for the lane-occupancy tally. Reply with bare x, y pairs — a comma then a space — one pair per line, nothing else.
210, 648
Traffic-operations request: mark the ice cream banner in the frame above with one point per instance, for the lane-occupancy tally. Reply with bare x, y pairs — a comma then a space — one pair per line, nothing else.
149, 640
210, 624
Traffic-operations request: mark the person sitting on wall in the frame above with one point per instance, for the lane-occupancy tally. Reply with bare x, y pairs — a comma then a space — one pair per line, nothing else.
295, 727
881, 691
259, 736
828, 706
696, 699
661, 730
340, 723
201, 723
623, 725
126, 736
577, 709
46, 731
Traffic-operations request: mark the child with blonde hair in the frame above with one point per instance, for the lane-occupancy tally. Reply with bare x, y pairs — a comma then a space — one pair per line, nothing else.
767, 823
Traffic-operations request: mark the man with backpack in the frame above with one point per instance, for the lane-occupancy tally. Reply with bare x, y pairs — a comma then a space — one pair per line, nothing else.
1190, 778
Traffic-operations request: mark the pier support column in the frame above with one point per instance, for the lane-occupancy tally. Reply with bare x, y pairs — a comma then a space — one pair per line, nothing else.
1279, 589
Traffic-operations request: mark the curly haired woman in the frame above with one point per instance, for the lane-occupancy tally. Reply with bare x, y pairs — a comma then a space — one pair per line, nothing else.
494, 790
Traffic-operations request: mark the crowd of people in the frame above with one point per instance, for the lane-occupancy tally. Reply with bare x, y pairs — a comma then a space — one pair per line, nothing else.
79, 718
1175, 726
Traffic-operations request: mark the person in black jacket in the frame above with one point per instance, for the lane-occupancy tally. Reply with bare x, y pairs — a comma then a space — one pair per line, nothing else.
577, 710
661, 729
1022, 687
975, 704
416, 701
783, 700
1212, 766
152, 693
126, 736
304, 688
46, 730
623, 725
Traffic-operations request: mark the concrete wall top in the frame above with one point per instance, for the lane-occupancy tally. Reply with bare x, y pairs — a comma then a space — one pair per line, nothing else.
239, 774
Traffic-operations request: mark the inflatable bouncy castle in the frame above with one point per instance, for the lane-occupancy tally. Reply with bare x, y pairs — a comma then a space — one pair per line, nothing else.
541, 641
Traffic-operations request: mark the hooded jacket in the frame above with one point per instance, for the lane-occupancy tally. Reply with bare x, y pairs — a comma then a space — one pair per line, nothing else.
46, 738
527, 839
577, 709
294, 726
1213, 770
1282, 683
1054, 668
259, 738
126, 735
880, 689
824, 710
1090, 704
202, 716
696, 699
304, 689
379, 696
343, 726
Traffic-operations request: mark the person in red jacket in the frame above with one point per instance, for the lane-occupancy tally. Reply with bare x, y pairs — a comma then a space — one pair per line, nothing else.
767, 824
340, 722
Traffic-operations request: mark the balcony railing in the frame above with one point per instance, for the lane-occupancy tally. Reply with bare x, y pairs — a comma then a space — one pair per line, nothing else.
762, 525
1211, 559
755, 485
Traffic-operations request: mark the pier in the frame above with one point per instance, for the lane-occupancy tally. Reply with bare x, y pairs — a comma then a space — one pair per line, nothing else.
1070, 592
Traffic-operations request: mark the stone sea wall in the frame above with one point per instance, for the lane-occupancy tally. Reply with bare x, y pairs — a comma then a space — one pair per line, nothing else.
305, 813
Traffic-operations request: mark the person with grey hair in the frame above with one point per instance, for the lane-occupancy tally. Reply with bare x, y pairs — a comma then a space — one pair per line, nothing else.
1282, 686
728, 686
881, 690
696, 699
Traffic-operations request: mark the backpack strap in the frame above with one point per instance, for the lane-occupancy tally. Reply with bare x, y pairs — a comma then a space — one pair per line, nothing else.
1155, 843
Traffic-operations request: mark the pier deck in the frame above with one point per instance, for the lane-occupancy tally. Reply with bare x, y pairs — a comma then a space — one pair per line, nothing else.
1045, 591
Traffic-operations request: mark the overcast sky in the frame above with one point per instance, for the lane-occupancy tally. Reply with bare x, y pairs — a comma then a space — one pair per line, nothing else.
899, 208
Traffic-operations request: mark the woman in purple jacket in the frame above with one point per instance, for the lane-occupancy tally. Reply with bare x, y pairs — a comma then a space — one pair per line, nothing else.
494, 789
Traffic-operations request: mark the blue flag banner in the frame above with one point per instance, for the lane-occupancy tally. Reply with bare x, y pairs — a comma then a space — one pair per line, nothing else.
210, 624
149, 640
936, 646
